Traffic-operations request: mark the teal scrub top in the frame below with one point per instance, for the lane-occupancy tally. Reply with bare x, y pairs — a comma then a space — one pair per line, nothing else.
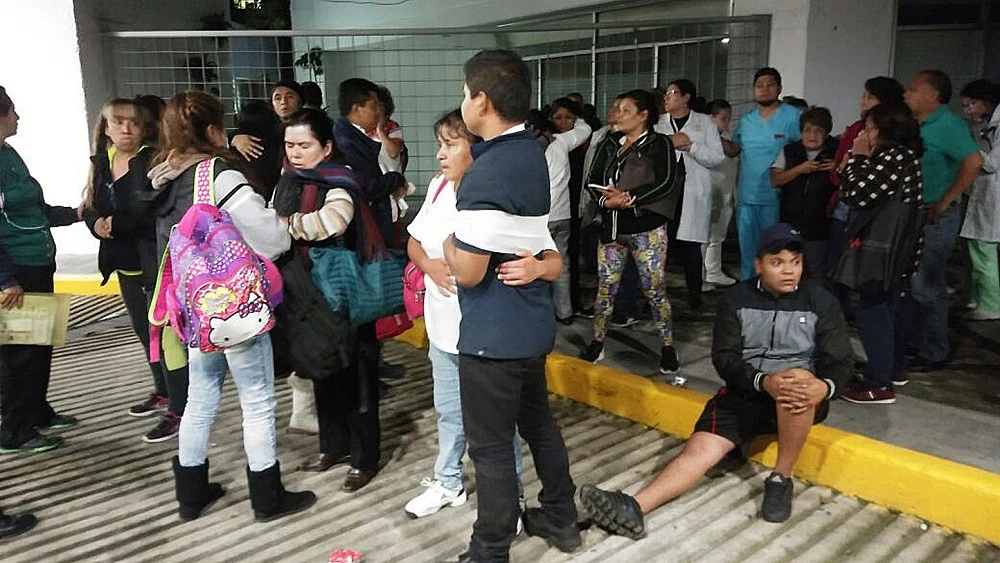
760, 142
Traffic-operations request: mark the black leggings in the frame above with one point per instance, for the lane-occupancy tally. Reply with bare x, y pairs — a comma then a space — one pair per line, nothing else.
688, 255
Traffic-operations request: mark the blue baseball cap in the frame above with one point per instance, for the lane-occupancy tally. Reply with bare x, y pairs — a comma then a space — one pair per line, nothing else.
778, 237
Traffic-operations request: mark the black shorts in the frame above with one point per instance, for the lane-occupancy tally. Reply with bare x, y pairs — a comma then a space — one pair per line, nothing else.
740, 419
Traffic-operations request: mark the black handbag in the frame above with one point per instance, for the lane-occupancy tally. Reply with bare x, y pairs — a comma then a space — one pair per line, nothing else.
316, 340
881, 245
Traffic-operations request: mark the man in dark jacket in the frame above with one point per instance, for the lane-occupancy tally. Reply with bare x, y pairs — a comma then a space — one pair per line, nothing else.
783, 350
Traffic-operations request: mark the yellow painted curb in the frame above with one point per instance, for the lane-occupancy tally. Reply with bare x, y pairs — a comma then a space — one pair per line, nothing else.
86, 285
960, 497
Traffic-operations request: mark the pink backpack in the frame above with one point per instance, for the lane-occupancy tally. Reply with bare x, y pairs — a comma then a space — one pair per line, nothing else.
213, 290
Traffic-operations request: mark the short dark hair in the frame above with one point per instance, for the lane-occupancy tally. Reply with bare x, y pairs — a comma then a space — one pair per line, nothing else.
981, 89
312, 94
6, 104
795, 102
644, 100
291, 85
385, 98
717, 105
818, 116
505, 80
567, 104
885, 89
355, 91
316, 120
938, 80
453, 120
896, 126
767, 71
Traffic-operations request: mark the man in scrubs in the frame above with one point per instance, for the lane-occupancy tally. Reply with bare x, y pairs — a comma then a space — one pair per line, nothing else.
761, 134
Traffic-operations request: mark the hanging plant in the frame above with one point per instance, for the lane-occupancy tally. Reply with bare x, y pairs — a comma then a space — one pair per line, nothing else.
312, 61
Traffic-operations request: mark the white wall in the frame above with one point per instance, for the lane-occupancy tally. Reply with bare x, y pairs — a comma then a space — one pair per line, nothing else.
41, 72
849, 41
789, 29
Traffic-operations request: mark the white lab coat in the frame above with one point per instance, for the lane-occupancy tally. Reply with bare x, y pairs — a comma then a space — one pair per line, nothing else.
706, 152
982, 216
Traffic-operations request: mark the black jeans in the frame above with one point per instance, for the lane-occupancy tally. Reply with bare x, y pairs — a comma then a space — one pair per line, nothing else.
496, 396
347, 407
24, 374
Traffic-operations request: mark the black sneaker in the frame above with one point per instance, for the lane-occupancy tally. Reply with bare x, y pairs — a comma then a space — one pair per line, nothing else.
391, 371
167, 428
587, 313
60, 422
777, 505
593, 353
36, 445
900, 379
152, 405
615, 512
668, 360
538, 523
15, 524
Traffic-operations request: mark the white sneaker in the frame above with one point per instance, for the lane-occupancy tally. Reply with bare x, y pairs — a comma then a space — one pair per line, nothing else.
981, 315
436, 497
520, 517
720, 280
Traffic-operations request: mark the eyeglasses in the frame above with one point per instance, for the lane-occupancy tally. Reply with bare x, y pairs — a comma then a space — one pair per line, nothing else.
672, 92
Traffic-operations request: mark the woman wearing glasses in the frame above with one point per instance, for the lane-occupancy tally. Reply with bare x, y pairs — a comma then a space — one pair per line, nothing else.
27, 263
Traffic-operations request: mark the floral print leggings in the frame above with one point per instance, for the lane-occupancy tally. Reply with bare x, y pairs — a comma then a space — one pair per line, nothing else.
649, 250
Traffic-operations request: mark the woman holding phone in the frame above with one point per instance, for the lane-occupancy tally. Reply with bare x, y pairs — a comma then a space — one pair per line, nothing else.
633, 175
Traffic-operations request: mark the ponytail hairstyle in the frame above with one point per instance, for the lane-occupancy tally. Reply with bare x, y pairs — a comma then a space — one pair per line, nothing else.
185, 126
100, 142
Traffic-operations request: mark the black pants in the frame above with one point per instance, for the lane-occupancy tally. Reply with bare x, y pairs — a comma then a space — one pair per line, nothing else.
496, 396
24, 374
137, 292
347, 407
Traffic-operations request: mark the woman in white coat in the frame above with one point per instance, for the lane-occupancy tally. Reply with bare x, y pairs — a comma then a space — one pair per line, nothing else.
699, 147
982, 222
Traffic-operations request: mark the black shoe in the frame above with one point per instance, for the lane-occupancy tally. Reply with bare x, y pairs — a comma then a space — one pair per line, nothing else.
391, 371
465, 558
587, 313
900, 379
152, 405
168, 427
921, 365
36, 445
593, 353
614, 512
565, 322
539, 523
60, 422
269, 498
194, 492
668, 360
777, 505
14, 524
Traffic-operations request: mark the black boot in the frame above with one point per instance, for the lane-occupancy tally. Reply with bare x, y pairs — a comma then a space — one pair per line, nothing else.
194, 492
14, 524
269, 498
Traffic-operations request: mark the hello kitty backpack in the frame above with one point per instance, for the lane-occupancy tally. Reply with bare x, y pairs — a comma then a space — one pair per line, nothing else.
213, 290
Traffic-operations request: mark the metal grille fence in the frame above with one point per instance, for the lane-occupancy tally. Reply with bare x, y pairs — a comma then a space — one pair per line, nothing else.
423, 67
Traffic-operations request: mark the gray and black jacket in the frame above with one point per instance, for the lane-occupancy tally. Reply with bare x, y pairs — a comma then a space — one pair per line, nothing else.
757, 334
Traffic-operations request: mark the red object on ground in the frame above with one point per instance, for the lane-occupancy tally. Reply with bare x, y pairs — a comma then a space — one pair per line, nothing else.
345, 556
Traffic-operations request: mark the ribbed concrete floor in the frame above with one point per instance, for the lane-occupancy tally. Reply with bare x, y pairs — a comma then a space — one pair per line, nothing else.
106, 496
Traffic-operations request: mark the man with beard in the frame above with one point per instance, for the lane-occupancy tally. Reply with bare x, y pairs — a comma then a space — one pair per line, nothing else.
761, 134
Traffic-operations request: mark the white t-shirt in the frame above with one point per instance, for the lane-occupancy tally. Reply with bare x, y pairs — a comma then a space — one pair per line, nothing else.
432, 226
780, 163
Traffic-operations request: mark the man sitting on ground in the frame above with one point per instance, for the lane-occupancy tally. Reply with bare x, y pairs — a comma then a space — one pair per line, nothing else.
783, 350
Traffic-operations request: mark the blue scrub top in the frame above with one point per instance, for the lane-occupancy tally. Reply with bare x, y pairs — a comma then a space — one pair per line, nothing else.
760, 142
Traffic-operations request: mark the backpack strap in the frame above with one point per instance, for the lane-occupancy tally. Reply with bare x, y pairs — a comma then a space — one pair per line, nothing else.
158, 314
204, 182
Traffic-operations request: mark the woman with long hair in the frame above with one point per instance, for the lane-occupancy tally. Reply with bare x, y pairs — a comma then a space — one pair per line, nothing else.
884, 164
699, 147
347, 401
127, 248
27, 263
632, 175
194, 133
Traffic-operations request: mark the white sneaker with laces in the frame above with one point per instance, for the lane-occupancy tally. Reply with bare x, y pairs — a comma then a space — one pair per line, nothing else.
436, 497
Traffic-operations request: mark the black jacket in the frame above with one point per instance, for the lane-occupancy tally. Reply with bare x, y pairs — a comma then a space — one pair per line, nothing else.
804, 200
648, 170
132, 243
757, 334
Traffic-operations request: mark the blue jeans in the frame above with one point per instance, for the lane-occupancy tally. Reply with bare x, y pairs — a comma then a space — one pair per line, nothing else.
451, 432
751, 220
929, 287
252, 366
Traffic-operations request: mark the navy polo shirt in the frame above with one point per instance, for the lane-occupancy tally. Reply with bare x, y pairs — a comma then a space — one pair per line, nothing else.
508, 177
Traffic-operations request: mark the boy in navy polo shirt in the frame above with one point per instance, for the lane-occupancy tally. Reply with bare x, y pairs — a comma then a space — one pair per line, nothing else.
508, 326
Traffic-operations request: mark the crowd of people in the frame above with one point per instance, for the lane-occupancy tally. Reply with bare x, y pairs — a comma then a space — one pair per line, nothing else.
859, 226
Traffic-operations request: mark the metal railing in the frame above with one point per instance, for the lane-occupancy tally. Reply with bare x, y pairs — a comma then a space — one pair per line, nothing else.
423, 67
